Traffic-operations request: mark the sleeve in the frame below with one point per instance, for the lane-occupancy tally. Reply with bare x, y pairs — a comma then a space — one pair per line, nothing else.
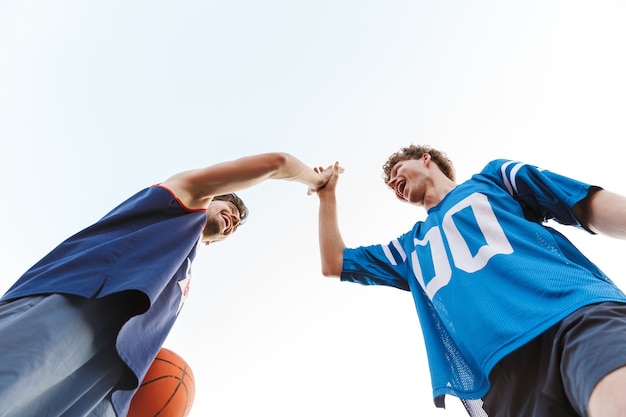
542, 194
377, 265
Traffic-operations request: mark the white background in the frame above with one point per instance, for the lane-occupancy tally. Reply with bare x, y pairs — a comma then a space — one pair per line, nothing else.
99, 99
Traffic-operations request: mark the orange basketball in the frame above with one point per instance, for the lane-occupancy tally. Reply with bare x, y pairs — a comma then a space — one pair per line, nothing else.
167, 390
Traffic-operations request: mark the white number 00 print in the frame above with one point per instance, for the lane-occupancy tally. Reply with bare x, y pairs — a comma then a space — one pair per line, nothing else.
488, 226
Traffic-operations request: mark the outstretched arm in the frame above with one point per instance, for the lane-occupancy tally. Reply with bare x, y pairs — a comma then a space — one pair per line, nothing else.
330, 239
603, 212
196, 188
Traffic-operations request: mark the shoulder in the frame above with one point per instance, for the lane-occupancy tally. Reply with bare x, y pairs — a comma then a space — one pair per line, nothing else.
501, 164
182, 187
507, 170
173, 193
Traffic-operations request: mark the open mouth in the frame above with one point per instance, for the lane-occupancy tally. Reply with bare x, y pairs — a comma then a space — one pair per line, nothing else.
227, 222
400, 189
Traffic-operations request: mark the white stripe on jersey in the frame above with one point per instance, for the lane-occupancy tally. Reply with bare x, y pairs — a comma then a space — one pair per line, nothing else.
389, 254
399, 248
514, 174
509, 181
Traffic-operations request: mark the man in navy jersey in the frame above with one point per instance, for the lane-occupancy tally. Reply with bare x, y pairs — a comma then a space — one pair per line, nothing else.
516, 321
80, 328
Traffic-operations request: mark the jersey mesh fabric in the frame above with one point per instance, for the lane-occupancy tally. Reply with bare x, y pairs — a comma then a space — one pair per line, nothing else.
486, 274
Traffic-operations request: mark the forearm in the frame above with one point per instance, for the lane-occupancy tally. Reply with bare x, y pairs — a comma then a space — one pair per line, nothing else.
197, 187
604, 212
331, 242
292, 169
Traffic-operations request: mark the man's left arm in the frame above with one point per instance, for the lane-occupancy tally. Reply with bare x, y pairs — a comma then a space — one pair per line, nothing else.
603, 212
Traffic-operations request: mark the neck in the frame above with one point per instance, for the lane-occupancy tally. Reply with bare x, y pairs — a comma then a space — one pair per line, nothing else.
437, 192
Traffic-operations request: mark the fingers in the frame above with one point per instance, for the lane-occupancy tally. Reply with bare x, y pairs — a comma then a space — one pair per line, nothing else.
339, 169
329, 176
335, 167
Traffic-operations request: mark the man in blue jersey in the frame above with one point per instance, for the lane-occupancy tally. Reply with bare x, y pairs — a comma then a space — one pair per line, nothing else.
80, 328
516, 321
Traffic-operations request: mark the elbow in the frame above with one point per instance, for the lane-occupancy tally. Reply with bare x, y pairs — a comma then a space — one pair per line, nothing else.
331, 271
331, 258
277, 160
328, 274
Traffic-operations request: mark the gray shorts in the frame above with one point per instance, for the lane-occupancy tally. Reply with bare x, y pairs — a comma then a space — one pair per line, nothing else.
58, 356
554, 374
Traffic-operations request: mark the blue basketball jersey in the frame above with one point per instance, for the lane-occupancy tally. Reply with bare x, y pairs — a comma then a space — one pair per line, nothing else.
486, 274
145, 244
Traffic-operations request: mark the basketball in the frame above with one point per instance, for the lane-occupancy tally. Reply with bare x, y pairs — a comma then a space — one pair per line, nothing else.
167, 390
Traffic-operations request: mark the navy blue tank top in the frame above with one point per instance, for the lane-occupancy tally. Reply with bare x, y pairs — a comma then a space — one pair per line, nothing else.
146, 244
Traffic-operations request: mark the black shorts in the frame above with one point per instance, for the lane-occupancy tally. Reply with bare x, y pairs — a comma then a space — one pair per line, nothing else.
554, 374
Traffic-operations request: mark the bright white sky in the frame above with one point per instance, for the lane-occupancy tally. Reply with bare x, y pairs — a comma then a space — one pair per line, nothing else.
100, 99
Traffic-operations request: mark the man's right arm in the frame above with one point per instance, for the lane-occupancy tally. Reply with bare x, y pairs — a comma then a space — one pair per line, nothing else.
196, 188
330, 239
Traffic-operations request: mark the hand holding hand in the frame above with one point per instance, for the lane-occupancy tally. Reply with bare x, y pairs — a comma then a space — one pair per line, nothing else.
330, 176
